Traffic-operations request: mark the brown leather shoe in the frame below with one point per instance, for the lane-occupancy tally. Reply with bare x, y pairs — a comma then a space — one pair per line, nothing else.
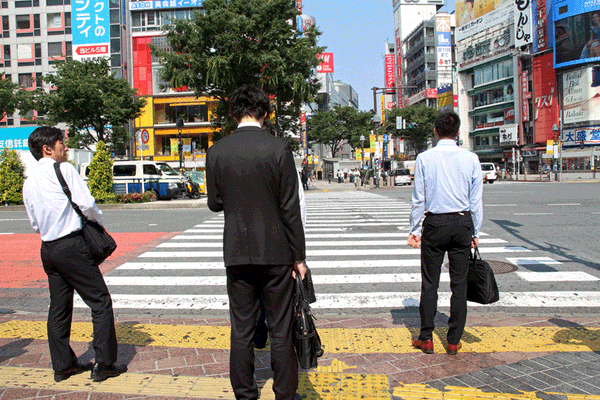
452, 349
425, 345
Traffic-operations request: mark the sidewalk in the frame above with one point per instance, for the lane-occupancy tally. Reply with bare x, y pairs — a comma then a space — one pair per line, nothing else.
503, 357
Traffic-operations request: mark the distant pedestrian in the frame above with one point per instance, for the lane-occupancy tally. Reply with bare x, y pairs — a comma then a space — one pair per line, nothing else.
340, 175
330, 176
252, 178
66, 257
448, 191
304, 178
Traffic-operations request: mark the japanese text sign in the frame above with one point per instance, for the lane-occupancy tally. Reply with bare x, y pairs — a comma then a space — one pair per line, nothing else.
91, 29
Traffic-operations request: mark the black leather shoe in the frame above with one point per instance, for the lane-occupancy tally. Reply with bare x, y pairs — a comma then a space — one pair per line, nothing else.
72, 370
102, 372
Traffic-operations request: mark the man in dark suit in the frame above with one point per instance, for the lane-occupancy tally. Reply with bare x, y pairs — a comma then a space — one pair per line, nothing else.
251, 176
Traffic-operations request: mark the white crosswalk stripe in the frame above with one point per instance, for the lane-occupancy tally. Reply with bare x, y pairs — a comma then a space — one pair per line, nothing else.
356, 248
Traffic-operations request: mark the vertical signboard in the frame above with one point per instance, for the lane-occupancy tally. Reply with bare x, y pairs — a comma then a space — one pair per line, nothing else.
390, 79
444, 43
91, 29
525, 96
522, 11
399, 79
326, 65
545, 107
581, 95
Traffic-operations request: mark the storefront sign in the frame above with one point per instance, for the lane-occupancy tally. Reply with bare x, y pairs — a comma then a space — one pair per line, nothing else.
581, 95
589, 136
509, 114
422, 95
431, 93
15, 138
523, 33
91, 29
326, 65
509, 136
545, 105
163, 4
525, 96
399, 81
486, 48
390, 79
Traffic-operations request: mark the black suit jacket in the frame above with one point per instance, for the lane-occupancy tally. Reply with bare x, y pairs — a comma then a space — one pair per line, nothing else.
252, 177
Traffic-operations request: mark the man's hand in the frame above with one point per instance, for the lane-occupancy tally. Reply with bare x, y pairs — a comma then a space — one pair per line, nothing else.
414, 241
474, 242
299, 267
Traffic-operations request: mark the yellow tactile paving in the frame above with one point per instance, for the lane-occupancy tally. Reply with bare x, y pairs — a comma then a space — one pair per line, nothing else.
311, 385
342, 340
420, 391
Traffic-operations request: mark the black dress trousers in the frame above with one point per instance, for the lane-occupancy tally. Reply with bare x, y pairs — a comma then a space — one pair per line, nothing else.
245, 285
69, 265
452, 234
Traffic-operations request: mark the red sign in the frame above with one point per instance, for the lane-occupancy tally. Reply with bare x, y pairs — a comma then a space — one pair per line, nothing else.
302, 118
92, 49
390, 79
299, 6
545, 104
399, 80
431, 93
524, 90
509, 114
326, 65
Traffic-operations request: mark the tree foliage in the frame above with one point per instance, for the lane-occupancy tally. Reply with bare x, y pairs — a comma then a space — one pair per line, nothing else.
337, 125
237, 42
420, 121
8, 97
100, 177
12, 177
95, 104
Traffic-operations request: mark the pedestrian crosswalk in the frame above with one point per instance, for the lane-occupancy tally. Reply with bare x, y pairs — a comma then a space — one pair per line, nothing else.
356, 248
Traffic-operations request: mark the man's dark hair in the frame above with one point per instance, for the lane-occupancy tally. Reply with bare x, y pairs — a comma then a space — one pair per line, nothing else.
447, 124
248, 101
44, 135
470, 1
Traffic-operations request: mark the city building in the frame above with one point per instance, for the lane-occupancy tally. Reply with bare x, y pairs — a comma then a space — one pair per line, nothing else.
156, 127
36, 34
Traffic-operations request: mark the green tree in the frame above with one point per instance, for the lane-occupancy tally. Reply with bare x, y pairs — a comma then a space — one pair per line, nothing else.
95, 104
420, 121
339, 124
8, 96
12, 177
237, 42
100, 177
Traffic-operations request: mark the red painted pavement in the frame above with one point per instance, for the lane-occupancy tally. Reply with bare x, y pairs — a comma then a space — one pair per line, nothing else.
21, 266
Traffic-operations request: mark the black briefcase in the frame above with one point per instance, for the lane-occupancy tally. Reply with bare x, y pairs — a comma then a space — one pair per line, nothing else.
481, 286
306, 339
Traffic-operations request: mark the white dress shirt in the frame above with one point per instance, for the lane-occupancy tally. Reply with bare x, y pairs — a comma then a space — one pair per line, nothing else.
49, 209
448, 179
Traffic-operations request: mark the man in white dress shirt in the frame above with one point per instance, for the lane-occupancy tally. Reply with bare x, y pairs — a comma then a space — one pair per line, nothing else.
66, 258
448, 191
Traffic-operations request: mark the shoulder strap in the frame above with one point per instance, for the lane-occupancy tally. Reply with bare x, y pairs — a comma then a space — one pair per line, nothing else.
66, 189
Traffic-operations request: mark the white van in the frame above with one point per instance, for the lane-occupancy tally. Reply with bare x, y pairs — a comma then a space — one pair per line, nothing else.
158, 177
489, 172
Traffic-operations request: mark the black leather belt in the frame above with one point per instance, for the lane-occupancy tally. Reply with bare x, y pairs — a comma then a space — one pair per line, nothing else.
448, 214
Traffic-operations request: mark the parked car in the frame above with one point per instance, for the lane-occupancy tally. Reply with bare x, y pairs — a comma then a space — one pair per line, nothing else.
489, 172
402, 177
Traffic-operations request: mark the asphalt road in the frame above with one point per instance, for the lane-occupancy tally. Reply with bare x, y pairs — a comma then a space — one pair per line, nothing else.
557, 221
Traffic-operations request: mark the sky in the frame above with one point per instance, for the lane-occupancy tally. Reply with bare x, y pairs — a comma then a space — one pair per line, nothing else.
356, 33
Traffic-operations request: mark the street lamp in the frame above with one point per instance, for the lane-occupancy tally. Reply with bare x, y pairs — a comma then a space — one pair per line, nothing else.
376, 123
179, 125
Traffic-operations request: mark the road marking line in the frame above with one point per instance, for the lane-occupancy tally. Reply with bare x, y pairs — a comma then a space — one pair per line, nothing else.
533, 214
486, 339
321, 253
222, 280
374, 300
565, 204
14, 219
313, 264
6, 233
500, 205
557, 276
533, 260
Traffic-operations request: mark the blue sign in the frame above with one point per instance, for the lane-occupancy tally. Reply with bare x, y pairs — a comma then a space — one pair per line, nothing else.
15, 138
576, 31
91, 22
386, 138
163, 4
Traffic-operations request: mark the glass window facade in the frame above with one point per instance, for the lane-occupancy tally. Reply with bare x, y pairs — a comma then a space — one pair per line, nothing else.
493, 72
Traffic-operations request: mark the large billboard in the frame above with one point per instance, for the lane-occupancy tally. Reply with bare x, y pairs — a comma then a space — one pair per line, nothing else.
545, 94
577, 32
475, 16
91, 29
390, 76
581, 95
444, 42
326, 65
163, 4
